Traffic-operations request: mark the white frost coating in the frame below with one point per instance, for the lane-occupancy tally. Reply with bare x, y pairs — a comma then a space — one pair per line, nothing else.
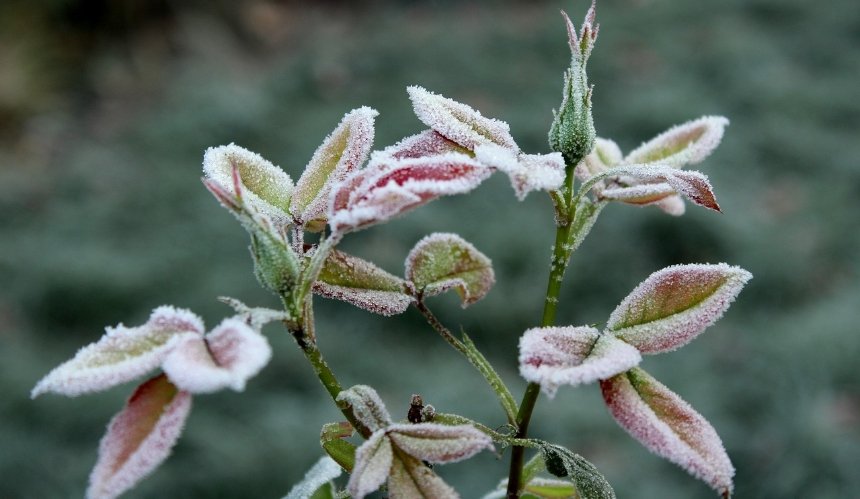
266, 188
367, 406
225, 358
605, 155
669, 427
555, 356
676, 304
343, 151
385, 303
459, 122
690, 184
256, 317
685, 144
122, 354
373, 460
411, 479
672, 205
423, 144
324, 471
442, 261
640, 193
389, 187
138, 439
528, 172
436, 443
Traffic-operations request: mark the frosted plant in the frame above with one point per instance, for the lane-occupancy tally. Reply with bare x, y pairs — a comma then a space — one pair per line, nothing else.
346, 187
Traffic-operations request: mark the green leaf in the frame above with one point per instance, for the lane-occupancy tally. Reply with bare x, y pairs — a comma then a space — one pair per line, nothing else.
586, 214
363, 284
331, 440
275, 264
440, 262
563, 463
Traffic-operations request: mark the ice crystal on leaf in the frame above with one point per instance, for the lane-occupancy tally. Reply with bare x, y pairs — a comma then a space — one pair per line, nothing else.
367, 406
267, 188
426, 143
388, 187
554, 356
440, 262
321, 474
668, 427
225, 358
341, 153
256, 317
674, 305
139, 438
122, 354
528, 172
363, 284
685, 144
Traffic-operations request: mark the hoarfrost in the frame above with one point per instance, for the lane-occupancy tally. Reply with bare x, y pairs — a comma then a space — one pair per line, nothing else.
373, 460
651, 183
528, 172
426, 143
442, 261
363, 284
139, 438
324, 471
367, 406
437, 443
122, 354
676, 304
669, 427
410, 478
685, 144
256, 317
385, 303
555, 356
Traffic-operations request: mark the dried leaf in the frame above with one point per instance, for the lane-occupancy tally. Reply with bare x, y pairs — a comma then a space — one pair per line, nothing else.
139, 438
373, 463
426, 143
367, 406
342, 152
122, 354
589, 482
528, 172
681, 145
389, 187
322, 472
459, 122
554, 356
668, 427
227, 357
411, 479
674, 305
363, 284
439, 262
437, 443
265, 187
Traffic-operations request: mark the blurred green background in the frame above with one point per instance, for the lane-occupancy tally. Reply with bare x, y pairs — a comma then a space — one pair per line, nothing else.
106, 108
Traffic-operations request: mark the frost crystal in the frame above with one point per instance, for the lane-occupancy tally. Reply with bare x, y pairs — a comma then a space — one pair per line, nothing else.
528, 172
650, 183
139, 438
389, 187
668, 427
363, 284
458, 122
554, 356
266, 188
426, 143
227, 357
325, 470
122, 354
342, 152
674, 305
367, 406
437, 443
681, 145
373, 461
440, 261
410, 478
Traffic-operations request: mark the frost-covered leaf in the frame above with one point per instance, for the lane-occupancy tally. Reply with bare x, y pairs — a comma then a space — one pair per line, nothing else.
440, 261
438, 443
139, 438
656, 182
256, 317
122, 354
227, 357
332, 441
685, 144
265, 187
426, 143
589, 482
367, 406
373, 462
363, 284
672, 205
528, 172
459, 122
554, 356
583, 220
342, 152
322, 472
411, 479
668, 427
389, 187
605, 155
674, 305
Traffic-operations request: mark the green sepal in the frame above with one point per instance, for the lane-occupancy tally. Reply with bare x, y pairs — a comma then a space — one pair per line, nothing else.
563, 463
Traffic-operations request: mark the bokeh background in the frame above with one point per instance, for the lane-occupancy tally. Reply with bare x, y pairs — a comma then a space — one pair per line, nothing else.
106, 108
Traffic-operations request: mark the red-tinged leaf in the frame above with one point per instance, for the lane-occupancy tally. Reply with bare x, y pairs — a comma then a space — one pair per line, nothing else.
411, 479
681, 145
367, 406
426, 143
389, 187
458, 122
373, 460
264, 186
674, 305
528, 172
440, 262
363, 284
341, 153
642, 194
695, 187
226, 358
437, 443
139, 438
651, 182
555, 356
668, 427
122, 354
605, 155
